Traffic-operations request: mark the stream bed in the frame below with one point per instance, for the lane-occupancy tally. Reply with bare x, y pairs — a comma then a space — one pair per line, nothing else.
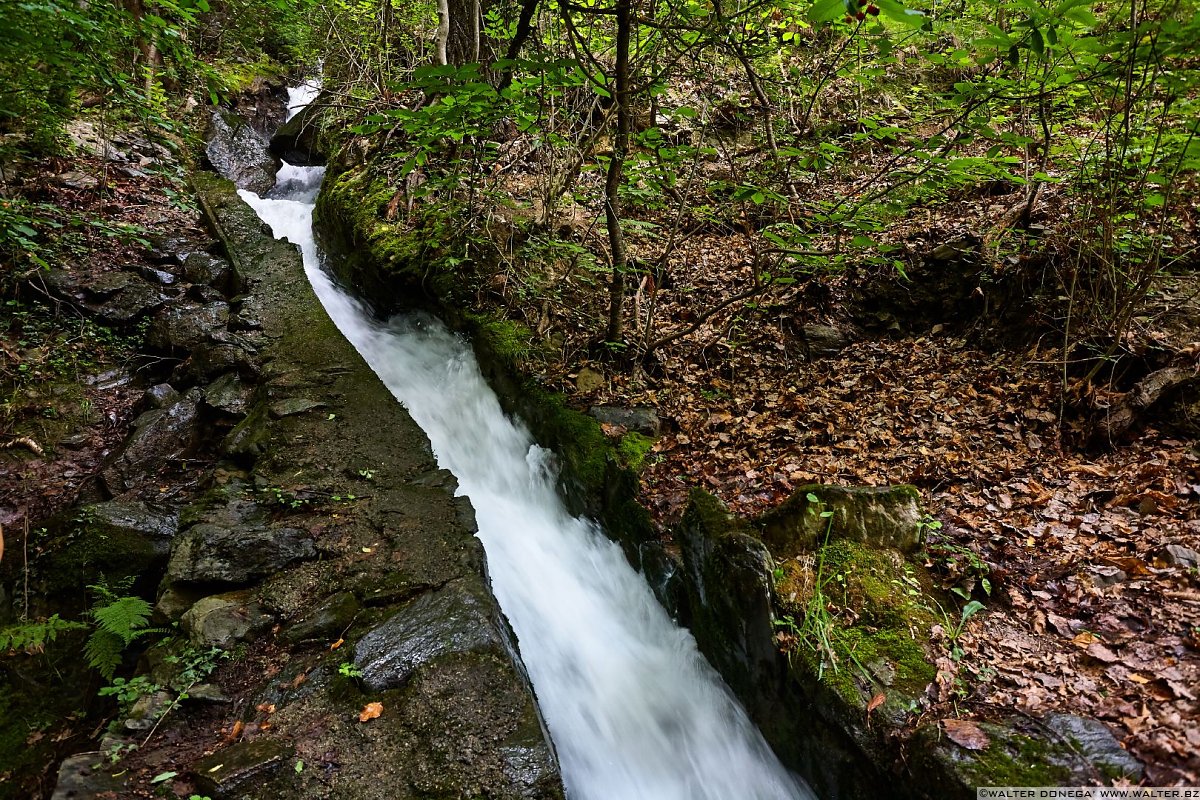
634, 710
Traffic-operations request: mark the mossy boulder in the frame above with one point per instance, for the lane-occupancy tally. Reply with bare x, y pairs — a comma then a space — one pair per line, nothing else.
393, 260
881, 516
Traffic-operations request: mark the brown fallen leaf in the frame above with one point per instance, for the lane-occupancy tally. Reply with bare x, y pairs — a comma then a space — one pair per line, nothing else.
235, 732
874, 703
266, 708
337, 644
370, 711
966, 733
1102, 653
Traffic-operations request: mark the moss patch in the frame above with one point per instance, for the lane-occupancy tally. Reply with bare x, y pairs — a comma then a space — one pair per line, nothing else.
633, 449
878, 618
384, 251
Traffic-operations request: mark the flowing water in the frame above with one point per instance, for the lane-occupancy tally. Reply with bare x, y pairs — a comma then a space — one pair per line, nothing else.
634, 710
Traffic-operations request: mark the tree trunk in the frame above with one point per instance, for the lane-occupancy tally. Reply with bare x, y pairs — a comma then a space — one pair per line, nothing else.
612, 186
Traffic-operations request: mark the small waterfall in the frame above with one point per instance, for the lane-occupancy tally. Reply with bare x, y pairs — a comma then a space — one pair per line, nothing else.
635, 711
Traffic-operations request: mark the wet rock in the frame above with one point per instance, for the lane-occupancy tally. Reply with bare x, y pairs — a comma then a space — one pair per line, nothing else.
263, 104
133, 518
158, 276
1179, 556
454, 619
85, 776
248, 440
147, 711
78, 180
183, 326
209, 553
640, 420
1092, 739
161, 395
225, 353
229, 395
880, 516
239, 152
240, 767
292, 406
208, 270
223, 620
727, 576
160, 438
296, 140
173, 249
824, 340
589, 380
115, 297
325, 621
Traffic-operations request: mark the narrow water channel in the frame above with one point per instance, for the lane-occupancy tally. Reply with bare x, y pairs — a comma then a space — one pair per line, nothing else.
635, 711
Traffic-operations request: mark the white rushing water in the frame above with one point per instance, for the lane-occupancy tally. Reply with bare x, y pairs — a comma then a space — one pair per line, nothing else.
635, 711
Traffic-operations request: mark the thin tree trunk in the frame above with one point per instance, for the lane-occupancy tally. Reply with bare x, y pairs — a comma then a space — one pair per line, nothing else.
612, 186
443, 32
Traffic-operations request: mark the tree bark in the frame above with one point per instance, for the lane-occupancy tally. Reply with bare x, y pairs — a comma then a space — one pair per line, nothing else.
612, 185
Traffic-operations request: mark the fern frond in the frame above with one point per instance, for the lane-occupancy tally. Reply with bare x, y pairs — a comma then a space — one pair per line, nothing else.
124, 617
103, 652
32, 637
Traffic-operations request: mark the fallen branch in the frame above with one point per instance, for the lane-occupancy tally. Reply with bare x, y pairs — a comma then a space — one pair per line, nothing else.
1148, 392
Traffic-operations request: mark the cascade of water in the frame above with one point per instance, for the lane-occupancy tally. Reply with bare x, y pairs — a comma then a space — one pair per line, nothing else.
635, 711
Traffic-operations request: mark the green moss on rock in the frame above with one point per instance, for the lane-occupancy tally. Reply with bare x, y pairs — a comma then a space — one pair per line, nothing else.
633, 449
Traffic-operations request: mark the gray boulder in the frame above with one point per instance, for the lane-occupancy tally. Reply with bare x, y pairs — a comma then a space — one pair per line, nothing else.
229, 395
183, 326
824, 340
453, 619
639, 420
235, 770
1092, 739
116, 298
296, 140
880, 516
238, 152
208, 270
223, 620
160, 438
87, 775
209, 553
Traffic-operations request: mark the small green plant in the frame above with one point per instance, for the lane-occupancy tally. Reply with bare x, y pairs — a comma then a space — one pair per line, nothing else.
954, 628
350, 670
815, 629
32, 637
119, 622
367, 474
284, 498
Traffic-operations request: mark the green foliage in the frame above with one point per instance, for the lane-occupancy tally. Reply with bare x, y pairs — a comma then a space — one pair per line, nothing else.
633, 449
32, 637
118, 622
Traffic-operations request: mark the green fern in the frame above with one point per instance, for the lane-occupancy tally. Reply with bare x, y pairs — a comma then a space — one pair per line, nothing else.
119, 621
32, 637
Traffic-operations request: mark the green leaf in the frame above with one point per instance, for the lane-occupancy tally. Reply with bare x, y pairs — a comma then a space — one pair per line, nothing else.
163, 776
907, 16
1036, 43
971, 609
825, 10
